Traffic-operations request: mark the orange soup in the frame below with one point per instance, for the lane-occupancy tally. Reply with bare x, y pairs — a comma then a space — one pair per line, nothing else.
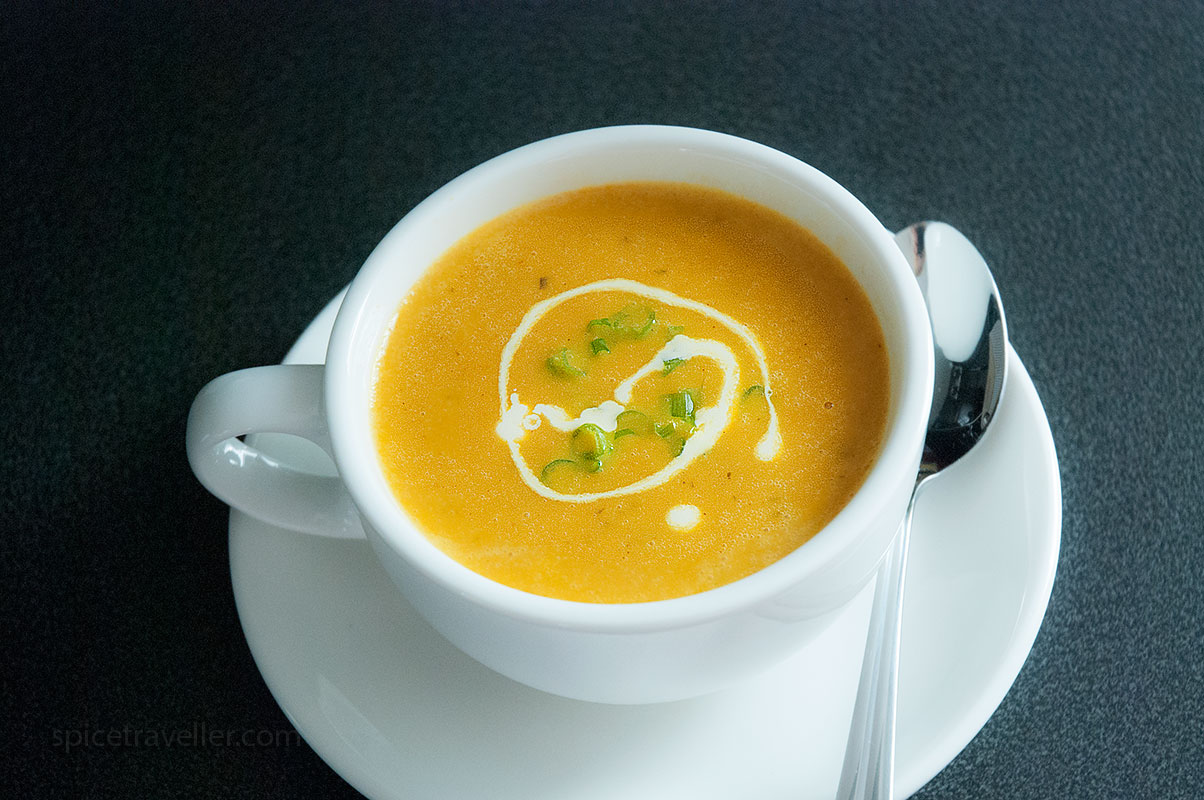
630, 392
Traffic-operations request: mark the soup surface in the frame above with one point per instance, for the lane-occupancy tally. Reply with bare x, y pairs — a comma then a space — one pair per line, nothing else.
630, 392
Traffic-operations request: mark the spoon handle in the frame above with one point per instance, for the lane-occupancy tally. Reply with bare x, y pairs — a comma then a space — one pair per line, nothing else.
869, 762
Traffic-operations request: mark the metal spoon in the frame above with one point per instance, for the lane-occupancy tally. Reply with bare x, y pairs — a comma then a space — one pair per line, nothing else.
970, 342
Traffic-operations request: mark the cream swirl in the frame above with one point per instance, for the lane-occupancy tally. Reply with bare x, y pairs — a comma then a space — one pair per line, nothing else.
517, 418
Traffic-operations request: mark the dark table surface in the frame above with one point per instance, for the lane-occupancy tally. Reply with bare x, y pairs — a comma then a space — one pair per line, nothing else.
184, 185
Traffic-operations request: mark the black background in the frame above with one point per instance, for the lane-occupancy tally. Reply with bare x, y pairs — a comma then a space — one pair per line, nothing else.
184, 185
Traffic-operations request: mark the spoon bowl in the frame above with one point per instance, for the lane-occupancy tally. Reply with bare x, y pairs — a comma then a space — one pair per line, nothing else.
969, 336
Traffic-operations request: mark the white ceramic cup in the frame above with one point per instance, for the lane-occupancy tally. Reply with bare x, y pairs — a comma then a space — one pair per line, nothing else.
617, 653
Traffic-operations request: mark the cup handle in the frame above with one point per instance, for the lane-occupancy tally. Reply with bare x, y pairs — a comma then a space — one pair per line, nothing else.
287, 399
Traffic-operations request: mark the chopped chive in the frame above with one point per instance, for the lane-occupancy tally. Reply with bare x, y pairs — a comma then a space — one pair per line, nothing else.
634, 321
599, 346
753, 391
676, 441
599, 323
594, 465
633, 421
673, 330
621, 432
553, 467
672, 364
590, 443
681, 412
560, 364
681, 426
681, 405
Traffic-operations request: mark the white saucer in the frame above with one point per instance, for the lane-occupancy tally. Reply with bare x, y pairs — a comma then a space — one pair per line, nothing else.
400, 713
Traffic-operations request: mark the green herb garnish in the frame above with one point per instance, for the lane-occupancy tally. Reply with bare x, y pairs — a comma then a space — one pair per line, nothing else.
590, 443
681, 404
672, 364
677, 426
675, 432
633, 321
560, 364
634, 422
557, 467
599, 346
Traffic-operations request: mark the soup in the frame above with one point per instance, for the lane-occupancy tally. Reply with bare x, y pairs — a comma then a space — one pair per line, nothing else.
630, 392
